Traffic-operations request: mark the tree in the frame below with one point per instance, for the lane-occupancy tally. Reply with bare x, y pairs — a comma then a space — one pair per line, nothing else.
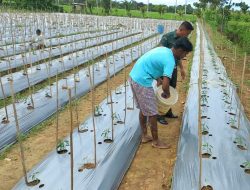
143, 10
106, 6
90, 5
243, 6
127, 5
161, 9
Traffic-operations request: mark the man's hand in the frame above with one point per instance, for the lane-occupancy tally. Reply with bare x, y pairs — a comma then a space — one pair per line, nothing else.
159, 82
183, 74
164, 95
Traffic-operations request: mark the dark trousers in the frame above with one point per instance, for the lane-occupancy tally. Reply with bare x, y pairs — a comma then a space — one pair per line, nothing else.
173, 80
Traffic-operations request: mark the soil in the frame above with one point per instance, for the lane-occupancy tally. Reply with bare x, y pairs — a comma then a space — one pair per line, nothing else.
108, 140
247, 171
208, 187
241, 147
34, 182
158, 163
62, 151
206, 155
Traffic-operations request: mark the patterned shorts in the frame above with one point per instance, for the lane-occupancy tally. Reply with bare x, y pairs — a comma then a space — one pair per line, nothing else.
145, 98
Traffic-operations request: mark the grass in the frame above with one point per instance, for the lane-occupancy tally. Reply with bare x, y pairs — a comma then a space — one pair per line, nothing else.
137, 14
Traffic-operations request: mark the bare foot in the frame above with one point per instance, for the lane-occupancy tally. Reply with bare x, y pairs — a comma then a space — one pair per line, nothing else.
161, 145
146, 139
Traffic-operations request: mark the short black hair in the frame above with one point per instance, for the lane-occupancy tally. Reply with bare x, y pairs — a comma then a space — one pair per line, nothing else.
38, 31
184, 44
187, 25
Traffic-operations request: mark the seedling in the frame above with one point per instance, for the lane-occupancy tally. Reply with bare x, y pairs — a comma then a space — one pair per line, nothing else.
105, 135
240, 142
48, 95
34, 180
204, 100
98, 110
232, 123
61, 146
116, 118
84, 128
207, 149
246, 166
205, 129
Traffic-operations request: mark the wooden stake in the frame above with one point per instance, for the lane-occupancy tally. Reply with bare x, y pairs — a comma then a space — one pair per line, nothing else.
125, 86
18, 133
242, 76
57, 109
4, 103
71, 141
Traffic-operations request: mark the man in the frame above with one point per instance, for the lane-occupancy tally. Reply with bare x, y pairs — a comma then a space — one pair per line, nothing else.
168, 41
151, 66
38, 40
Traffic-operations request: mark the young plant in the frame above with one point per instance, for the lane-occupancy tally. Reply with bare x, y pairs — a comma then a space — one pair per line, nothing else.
240, 142
232, 122
204, 100
205, 129
33, 176
105, 133
116, 118
246, 166
61, 146
98, 110
207, 149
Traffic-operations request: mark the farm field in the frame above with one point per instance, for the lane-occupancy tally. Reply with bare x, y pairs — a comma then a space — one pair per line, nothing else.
68, 116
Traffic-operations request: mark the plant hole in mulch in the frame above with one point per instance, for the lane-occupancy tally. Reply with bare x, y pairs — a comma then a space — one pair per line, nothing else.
62, 151
97, 115
69, 153
108, 140
227, 123
30, 107
42, 185
208, 106
82, 130
88, 166
203, 117
214, 157
206, 155
204, 132
232, 113
234, 127
120, 122
234, 142
241, 147
129, 108
210, 135
208, 187
242, 166
91, 130
203, 105
34, 182
208, 118
99, 142
247, 171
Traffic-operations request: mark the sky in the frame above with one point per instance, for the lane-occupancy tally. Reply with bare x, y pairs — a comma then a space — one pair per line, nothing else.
181, 2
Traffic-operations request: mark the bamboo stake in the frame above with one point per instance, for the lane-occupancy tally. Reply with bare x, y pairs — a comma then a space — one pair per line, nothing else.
125, 86
199, 111
19, 138
6, 120
93, 110
243, 76
71, 141
57, 109
111, 105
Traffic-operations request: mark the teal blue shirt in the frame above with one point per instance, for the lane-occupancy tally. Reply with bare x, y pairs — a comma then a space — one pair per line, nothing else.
152, 65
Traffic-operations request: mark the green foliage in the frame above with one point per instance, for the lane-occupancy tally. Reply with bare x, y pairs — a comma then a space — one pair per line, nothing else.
105, 133
62, 145
106, 6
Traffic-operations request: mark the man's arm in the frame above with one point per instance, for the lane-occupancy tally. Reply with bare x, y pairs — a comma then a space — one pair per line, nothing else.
183, 73
165, 87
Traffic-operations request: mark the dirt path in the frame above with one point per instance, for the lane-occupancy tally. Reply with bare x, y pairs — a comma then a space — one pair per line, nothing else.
152, 168
41, 140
